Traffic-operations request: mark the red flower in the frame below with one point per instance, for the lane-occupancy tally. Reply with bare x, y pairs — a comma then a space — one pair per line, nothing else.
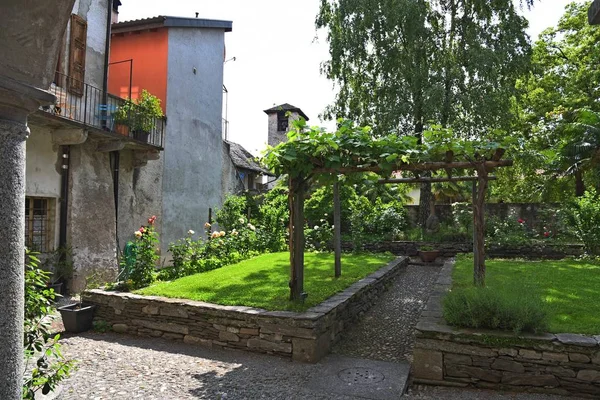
152, 219
521, 221
546, 234
142, 229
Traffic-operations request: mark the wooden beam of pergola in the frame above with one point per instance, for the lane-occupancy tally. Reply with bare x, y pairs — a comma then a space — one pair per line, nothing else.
434, 180
297, 187
425, 166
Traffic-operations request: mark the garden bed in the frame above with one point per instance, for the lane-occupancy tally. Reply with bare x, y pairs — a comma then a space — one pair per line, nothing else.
303, 336
559, 363
262, 281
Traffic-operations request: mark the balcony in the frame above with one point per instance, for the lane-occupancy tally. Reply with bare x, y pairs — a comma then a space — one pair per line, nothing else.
109, 116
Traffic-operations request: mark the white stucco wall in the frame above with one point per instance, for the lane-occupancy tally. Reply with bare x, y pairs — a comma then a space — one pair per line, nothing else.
193, 156
43, 171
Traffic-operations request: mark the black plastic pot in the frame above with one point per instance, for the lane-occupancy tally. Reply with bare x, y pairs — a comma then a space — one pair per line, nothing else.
141, 136
77, 318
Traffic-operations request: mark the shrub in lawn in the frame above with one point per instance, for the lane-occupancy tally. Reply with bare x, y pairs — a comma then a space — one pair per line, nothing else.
273, 221
492, 309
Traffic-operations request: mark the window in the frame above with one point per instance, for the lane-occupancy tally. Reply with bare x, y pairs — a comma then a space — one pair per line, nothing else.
282, 121
38, 223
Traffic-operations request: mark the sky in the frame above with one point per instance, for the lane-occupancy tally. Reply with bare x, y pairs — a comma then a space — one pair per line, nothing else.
278, 54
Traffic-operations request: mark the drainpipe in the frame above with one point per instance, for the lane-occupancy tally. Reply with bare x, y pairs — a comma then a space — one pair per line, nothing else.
107, 49
106, 59
115, 162
64, 198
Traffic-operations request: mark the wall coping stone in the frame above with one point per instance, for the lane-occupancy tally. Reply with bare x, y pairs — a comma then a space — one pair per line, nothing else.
546, 353
304, 336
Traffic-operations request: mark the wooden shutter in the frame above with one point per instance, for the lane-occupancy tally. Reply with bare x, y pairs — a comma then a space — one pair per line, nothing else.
77, 54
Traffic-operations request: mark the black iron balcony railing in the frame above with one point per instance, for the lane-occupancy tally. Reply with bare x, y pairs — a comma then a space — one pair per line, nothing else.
103, 111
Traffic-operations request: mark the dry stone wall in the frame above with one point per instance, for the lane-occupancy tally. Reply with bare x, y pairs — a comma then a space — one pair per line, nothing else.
305, 336
565, 364
450, 249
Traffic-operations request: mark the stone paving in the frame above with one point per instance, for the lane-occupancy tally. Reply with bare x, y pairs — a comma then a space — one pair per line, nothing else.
113, 366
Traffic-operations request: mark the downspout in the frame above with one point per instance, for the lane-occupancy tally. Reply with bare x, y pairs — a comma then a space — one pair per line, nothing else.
64, 199
115, 156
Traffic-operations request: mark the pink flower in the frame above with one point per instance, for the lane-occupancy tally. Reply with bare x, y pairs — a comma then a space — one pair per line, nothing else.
521, 221
152, 219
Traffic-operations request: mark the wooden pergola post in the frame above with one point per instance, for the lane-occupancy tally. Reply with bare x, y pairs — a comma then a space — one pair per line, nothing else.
296, 227
337, 229
479, 226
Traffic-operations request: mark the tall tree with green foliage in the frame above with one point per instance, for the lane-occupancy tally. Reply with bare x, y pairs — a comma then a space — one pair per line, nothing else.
558, 108
400, 64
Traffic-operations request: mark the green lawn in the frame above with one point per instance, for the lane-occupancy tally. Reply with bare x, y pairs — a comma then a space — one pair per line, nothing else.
570, 289
263, 281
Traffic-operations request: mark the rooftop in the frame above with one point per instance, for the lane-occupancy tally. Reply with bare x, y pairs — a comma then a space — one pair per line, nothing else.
243, 159
170, 22
286, 107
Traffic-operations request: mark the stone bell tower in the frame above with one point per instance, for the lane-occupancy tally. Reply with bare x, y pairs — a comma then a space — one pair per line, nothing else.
280, 122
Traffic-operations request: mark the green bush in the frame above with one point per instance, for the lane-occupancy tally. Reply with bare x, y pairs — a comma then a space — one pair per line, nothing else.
585, 214
273, 221
511, 231
40, 346
234, 208
514, 310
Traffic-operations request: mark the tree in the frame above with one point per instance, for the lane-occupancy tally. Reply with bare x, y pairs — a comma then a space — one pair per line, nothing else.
402, 63
558, 107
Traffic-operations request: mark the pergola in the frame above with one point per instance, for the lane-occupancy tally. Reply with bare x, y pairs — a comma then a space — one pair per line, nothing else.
482, 166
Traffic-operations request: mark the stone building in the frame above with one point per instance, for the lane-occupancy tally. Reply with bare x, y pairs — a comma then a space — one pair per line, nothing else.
279, 122
79, 169
241, 170
179, 60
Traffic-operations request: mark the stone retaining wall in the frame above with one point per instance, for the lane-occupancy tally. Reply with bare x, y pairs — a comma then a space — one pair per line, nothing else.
305, 336
565, 364
411, 249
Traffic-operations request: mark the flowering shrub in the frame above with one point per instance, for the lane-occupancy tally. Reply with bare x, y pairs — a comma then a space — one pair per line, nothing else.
144, 250
508, 232
319, 237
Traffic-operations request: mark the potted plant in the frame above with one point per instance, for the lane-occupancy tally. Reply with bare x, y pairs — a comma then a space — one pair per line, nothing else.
148, 107
123, 117
77, 317
140, 117
428, 253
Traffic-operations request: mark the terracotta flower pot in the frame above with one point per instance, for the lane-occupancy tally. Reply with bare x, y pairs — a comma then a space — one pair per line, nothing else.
429, 255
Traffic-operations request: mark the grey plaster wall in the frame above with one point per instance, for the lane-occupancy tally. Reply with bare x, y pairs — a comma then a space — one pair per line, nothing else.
193, 156
91, 219
140, 195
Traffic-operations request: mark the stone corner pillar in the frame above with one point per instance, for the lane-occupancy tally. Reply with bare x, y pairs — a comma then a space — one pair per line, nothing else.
12, 248
17, 100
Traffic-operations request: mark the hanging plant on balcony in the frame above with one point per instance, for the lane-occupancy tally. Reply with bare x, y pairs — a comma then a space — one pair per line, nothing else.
140, 116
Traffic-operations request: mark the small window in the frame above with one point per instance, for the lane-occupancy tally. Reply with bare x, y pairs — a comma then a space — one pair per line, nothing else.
282, 121
38, 224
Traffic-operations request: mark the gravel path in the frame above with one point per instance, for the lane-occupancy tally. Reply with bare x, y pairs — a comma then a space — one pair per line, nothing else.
113, 366
386, 332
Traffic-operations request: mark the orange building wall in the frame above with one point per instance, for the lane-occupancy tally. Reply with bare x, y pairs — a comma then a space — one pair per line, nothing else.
149, 51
